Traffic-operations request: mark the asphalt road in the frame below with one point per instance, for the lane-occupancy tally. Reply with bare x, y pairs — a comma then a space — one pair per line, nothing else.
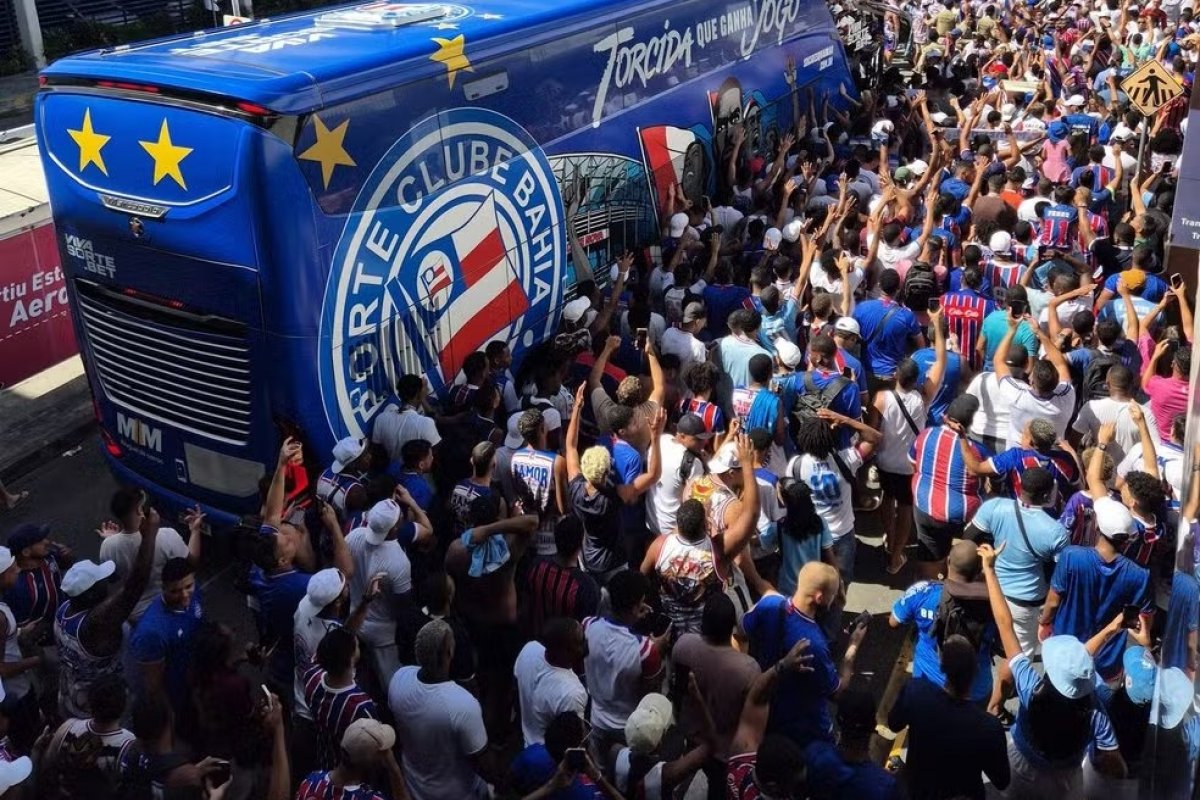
71, 491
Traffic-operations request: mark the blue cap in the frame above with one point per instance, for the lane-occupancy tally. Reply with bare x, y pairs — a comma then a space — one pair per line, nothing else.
1057, 131
26, 535
1140, 671
1069, 666
1048, 41
1175, 697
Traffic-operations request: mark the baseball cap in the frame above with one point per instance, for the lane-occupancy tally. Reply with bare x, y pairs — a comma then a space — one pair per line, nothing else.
1133, 279
7, 559
694, 311
366, 738
1075, 101
847, 325
939, 117
1000, 242
772, 238
679, 223
382, 517
692, 425
645, 727
512, 437
26, 535
1121, 133
903, 174
791, 231
882, 128
323, 588
1140, 672
1057, 131
1112, 518
14, 772
918, 167
85, 574
1069, 666
725, 460
1008, 111
788, 352
1175, 697
573, 311
345, 451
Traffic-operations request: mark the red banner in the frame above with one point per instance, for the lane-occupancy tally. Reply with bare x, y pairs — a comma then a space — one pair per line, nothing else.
35, 323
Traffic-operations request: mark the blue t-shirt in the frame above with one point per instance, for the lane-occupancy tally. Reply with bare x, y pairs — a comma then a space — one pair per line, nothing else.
1154, 289
885, 348
995, 328
1092, 593
721, 301
1026, 679
829, 776
418, 486
1182, 620
950, 380
1115, 309
781, 323
1020, 572
850, 360
627, 466
957, 187
918, 606
795, 554
534, 767
278, 596
166, 635
800, 707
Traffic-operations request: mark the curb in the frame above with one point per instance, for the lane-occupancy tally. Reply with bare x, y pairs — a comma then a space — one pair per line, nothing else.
50, 449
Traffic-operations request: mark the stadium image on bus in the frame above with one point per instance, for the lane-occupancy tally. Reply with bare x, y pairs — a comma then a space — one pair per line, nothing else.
264, 226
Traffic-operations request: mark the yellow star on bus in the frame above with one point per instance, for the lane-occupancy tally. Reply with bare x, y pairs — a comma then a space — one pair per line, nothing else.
167, 156
90, 143
329, 150
450, 54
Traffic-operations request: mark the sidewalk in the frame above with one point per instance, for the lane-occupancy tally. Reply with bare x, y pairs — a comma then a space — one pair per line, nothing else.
42, 415
16, 99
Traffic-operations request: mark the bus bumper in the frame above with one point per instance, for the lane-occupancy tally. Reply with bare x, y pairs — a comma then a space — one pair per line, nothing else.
171, 505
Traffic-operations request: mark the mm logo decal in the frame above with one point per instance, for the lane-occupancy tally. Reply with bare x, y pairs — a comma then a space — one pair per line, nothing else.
455, 240
138, 432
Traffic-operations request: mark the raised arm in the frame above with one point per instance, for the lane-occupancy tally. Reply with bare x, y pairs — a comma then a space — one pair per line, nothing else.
998, 360
601, 322
1053, 354
1000, 612
1151, 368
630, 492
659, 390
752, 725
573, 435
597, 372
1094, 475
739, 532
1149, 453
105, 621
933, 381
272, 509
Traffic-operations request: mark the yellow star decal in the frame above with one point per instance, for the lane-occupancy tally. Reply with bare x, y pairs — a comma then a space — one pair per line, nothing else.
167, 156
450, 53
90, 143
329, 150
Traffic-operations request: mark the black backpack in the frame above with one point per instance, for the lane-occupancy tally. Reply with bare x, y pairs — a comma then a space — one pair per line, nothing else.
920, 285
812, 400
1093, 385
956, 616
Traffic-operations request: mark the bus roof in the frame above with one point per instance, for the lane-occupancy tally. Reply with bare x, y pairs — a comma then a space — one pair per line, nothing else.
298, 63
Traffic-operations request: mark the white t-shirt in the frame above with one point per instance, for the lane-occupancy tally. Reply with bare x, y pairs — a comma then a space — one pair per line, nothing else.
121, 549
654, 330
887, 257
898, 435
1025, 406
395, 428
1066, 310
992, 418
545, 691
308, 631
819, 279
617, 661
1027, 211
1170, 467
666, 495
379, 626
1095, 413
685, 346
438, 726
830, 489
727, 217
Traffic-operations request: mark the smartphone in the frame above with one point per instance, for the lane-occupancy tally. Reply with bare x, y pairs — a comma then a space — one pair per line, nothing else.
862, 620
847, 373
775, 386
934, 304
221, 774
1018, 308
641, 338
1176, 280
1130, 616
655, 623
576, 759
266, 696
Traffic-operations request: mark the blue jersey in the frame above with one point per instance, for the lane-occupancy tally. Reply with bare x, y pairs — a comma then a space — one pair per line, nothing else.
278, 594
34, 597
1154, 289
918, 606
965, 310
460, 503
887, 328
1092, 592
925, 357
165, 635
1061, 465
1058, 227
1182, 620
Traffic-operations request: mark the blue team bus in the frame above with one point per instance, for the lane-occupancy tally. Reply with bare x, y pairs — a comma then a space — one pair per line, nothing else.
264, 226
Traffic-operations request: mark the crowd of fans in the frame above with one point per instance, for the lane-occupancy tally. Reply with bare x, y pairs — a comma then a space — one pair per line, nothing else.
621, 571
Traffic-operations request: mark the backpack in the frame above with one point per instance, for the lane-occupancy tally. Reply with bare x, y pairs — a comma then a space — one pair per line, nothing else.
1093, 384
812, 400
77, 771
956, 616
920, 285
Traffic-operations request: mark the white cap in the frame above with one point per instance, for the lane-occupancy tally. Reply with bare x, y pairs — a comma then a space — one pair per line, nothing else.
6, 559
939, 117
788, 352
882, 128
772, 238
382, 517
645, 727
345, 451
366, 738
917, 167
513, 438
1075, 101
323, 588
14, 772
847, 325
679, 223
1121, 132
791, 232
725, 460
573, 311
1112, 518
1008, 111
1001, 242
85, 574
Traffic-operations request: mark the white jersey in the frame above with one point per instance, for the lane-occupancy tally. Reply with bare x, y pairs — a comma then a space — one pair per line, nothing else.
898, 434
533, 481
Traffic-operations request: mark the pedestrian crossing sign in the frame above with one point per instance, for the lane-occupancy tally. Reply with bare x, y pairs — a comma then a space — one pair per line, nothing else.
1151, 87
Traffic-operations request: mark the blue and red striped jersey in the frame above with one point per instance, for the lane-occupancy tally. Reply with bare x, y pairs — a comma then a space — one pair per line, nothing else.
1060, 464
709, 413
1002, 275
1140, 546
35, 595
942, 485
1058, 227
965, 311
333, 710
319, 786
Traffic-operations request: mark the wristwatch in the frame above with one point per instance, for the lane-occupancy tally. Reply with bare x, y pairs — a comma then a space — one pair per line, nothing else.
1102, 447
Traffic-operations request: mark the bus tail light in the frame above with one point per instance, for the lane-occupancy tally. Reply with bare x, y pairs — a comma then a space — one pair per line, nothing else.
128, 87
110, 444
